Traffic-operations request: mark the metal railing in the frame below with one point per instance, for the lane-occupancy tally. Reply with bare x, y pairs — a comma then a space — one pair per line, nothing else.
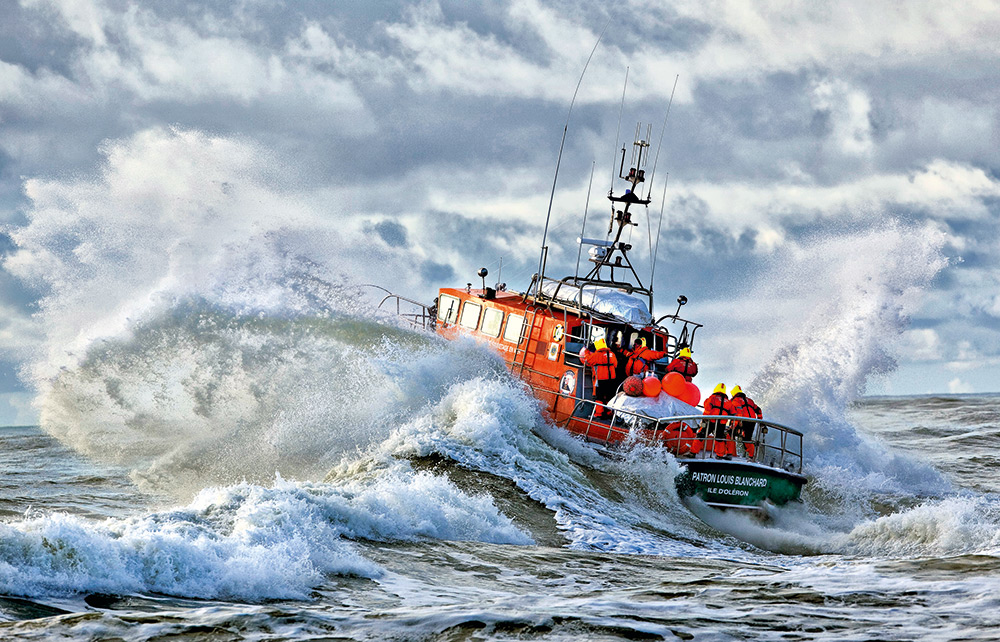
424, 318
774, 444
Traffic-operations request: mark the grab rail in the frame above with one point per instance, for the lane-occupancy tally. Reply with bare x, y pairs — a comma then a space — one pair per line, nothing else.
775, 444
425, 318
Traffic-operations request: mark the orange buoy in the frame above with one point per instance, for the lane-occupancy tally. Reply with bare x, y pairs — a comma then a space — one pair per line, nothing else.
651, 386
691, 394
673, 384
632, 386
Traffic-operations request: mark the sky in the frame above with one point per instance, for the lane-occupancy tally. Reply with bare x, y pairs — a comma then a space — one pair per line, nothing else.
831, 169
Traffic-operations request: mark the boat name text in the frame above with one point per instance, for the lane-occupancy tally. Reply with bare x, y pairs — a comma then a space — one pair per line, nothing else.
735, 480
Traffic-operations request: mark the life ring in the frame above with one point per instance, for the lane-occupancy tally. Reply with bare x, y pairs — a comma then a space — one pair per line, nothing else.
558, 333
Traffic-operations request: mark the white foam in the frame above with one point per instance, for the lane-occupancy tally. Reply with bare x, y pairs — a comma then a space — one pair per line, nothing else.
850, 314
490, 425
246, 541
940, 528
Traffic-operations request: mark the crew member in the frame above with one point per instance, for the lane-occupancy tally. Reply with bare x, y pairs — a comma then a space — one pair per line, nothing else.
640, 358
684, 364
718, 403
744, 406
603, 363
618, 348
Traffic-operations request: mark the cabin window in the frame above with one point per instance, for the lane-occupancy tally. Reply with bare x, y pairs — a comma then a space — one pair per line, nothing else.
492, 320
448, 308
470, 315
512, 332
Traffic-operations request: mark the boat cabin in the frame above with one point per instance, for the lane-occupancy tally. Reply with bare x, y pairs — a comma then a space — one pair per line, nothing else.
541, 338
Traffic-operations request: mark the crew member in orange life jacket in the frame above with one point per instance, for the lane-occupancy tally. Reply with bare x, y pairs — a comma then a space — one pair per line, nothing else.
684, 365
718, 403
640, 358
603, 362
743, 406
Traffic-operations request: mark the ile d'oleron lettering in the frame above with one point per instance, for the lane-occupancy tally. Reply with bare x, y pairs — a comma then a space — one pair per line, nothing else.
736, 480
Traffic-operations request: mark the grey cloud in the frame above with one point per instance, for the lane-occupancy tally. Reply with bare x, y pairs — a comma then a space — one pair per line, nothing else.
391, 232
437, 272
365, 121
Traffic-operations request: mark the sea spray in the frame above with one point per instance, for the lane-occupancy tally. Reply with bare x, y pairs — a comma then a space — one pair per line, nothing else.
622, 504
855, 311
200, 320
201, 328
244, 542
203, 396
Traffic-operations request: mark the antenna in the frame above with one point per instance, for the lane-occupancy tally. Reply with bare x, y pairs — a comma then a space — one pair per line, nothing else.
548, 215
583, 230
618, 133
659, 224
663, 201
659, 144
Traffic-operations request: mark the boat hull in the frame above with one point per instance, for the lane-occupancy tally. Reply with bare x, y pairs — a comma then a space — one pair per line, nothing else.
739, 484
720, 483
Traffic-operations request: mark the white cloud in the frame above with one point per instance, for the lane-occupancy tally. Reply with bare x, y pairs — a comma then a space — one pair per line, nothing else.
848, 105
921, 345
940, 188
957, 386
84, 18
16, 409
456, 58
156, 59
849, 109
776, 35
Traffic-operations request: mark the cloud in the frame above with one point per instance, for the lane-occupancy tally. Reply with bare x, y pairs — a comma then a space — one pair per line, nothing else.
847, 113
957, 386
391, 232
773, 35
922, 345
454, 57
940, 189
438, 125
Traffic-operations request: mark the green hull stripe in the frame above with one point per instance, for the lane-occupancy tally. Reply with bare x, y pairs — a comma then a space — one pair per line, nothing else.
730, 483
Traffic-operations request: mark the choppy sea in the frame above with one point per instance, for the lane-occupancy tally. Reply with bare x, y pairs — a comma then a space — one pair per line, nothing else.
210, 476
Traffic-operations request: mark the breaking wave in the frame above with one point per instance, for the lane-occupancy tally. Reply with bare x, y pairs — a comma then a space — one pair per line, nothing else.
245, 541
857, 311
202, 331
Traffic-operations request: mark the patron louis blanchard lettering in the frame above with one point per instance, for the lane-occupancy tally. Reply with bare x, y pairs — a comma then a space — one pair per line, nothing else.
734, 480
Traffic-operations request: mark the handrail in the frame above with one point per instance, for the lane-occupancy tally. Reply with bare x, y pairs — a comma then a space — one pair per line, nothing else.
624, 422
424, 318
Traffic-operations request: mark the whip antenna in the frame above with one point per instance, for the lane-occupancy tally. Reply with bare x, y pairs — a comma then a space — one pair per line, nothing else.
618, 133
663, 201
552, 196
583, 230
659, 143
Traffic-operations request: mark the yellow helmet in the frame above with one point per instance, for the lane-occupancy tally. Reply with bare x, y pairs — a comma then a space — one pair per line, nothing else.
736, 390
600, 344
685, 352
720, 388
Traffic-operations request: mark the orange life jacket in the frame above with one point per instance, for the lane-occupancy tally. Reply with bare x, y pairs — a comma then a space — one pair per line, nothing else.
604, 362
685, 366
717, 403
743, 406
639, 359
